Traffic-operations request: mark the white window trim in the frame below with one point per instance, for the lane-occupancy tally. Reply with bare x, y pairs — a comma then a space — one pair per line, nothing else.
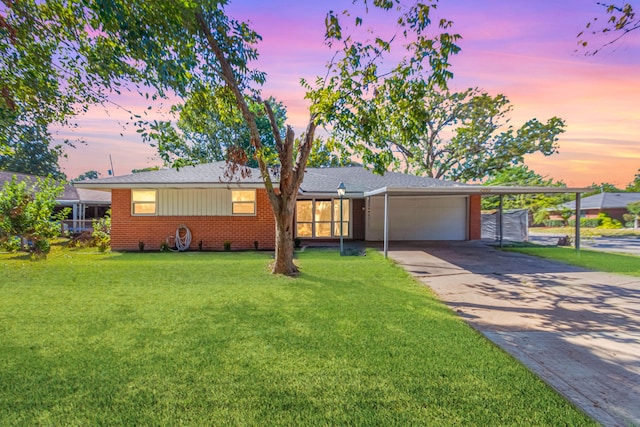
134, 203
255, 203
334, 221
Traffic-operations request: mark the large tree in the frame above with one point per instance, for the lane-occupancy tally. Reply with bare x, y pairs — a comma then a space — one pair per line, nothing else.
634, 186
180, 49
620, 20
522, 176
31, 155
426, 130
208, 127
52, 67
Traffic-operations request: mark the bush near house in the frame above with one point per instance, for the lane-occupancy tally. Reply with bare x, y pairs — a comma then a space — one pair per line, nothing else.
27, 214
587, 222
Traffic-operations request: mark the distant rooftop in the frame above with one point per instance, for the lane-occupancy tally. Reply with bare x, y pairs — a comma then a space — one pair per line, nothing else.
605, 201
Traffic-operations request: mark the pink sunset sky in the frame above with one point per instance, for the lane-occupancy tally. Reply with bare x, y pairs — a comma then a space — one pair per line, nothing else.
523, 49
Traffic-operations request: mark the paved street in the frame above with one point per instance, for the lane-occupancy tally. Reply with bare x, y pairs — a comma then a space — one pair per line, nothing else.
622, 244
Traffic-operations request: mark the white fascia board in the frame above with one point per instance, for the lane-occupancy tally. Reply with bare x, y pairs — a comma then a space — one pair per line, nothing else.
150, 185
328, 194
471, 190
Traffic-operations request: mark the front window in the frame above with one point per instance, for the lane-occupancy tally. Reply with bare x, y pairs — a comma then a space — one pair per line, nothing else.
143, 202
304, 218
243, 202
321, 218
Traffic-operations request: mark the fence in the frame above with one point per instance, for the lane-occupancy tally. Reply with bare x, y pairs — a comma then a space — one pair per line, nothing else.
76, 226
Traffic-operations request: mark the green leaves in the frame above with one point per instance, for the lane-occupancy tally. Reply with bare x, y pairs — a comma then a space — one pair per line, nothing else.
26, 211
621, 21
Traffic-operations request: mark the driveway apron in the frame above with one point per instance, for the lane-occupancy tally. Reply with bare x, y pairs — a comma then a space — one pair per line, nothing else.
579, 330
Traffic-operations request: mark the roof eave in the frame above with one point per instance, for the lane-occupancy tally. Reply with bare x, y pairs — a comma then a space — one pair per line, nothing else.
472, 190
151, 185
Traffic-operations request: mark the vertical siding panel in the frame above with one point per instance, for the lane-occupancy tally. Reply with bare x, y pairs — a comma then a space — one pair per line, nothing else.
198, 195
211, 205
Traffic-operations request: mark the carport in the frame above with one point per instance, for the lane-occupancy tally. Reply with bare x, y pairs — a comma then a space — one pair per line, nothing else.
466, 191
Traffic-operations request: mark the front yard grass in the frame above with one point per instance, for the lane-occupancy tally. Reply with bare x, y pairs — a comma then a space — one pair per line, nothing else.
214, 339
593, 260
585, 231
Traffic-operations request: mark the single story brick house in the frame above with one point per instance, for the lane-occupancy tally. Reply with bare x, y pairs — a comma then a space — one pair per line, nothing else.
149, 207
612, 204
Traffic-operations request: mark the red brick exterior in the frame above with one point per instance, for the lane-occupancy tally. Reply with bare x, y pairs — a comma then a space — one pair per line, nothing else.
475, 217
242, 231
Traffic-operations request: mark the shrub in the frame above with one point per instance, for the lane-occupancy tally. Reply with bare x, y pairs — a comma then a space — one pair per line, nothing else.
553, 223
255, 244
164, 247
12, 244
587, 222
297, 242
227, 246
141, 245
607, 222
26, 211
102, 232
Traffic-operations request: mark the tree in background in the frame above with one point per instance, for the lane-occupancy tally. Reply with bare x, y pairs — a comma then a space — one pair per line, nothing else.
209, 127
87, 175
326, 154
522, 176
634, 209
32, 156
148, 169
27, 213
423, 129
603, 187
634, 186
620, 20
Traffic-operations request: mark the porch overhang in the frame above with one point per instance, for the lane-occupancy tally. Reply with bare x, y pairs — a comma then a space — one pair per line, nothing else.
470, 190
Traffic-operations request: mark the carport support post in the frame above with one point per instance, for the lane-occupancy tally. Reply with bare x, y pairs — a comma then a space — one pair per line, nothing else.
386, 224
577, 237
501, 218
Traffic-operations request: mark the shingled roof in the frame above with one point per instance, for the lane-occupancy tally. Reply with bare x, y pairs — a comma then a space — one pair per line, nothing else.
605, 201
316, 180
359, 180
206, 174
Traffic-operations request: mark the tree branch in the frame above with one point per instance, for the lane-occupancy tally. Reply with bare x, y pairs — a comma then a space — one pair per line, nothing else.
230, 79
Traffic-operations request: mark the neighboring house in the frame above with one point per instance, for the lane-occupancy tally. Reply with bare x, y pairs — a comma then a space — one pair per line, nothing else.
612, 204
85, 204
150, 207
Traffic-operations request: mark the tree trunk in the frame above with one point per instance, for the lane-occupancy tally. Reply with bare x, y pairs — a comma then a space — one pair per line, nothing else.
284, 243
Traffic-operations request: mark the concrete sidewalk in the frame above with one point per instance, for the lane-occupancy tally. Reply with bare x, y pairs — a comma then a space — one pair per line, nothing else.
578, 330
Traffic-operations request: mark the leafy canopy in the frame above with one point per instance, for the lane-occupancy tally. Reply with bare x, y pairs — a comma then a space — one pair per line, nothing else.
522, 176
461, 136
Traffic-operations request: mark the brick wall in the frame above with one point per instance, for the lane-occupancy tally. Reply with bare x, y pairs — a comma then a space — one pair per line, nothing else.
241, 231
475, 221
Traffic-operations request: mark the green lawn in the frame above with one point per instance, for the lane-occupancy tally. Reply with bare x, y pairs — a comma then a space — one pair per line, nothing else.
585, 231
594, 260
214, 339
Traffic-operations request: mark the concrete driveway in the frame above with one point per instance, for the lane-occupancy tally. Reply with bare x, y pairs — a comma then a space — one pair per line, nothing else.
578, 330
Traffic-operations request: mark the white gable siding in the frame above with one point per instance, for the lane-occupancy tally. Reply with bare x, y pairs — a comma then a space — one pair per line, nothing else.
194, 202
